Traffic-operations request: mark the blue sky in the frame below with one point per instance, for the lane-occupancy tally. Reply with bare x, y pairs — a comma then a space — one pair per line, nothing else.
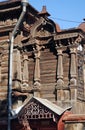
67, 13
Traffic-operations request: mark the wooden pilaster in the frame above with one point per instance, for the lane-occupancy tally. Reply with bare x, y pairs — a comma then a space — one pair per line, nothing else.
17, 78
25, 71
37, 66
73, 66
60, 67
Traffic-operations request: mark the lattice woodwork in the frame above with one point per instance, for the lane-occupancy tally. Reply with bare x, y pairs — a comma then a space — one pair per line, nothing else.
35, 111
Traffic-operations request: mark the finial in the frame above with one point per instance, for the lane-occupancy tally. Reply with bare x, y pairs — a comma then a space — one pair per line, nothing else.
44, 11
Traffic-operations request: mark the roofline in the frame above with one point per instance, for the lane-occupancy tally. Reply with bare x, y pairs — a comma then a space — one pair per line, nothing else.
72, 30
9, 2
5, 3
36, 98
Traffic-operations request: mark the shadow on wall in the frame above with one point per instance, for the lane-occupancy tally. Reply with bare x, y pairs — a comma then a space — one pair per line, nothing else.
3, 112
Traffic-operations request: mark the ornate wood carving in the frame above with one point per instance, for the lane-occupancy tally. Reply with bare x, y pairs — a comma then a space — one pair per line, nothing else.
41, 73
67, 39
43, 28
37, 66
60, 68
67, 35
80, 75
73, 69
35, 111
25, 71
17, 69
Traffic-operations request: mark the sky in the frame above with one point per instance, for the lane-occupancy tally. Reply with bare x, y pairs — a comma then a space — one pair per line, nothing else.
66, 13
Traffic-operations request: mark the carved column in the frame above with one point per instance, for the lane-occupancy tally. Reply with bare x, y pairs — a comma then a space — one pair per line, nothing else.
73, 73
25, 71
73, 66
60, 82
60, 68
36, 87
17, 75
37, 67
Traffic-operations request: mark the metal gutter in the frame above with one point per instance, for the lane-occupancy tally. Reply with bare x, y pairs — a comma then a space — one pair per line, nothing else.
24, 4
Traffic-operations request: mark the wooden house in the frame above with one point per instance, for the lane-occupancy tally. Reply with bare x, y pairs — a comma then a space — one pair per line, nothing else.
48, 70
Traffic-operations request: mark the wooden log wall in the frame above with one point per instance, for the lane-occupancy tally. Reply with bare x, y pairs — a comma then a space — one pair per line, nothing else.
80, 89
48, 68
3, 70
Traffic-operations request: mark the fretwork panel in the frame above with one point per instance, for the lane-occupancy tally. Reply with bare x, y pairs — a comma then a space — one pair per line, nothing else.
35, 111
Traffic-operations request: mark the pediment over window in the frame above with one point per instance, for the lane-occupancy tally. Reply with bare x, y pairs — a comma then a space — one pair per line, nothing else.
43, 28
38, 108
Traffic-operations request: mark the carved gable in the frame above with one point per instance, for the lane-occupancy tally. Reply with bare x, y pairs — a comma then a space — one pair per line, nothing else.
43, 28
38, 108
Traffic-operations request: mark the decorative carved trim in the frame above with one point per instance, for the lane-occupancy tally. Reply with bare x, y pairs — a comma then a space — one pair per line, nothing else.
81, 77
17, 78
65, 36
43, 28
37, 66
60, 67
73, 73
35, 111
25, 72
78, 39
62, 40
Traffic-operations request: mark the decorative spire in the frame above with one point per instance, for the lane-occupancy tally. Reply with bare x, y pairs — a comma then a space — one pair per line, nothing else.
44, 12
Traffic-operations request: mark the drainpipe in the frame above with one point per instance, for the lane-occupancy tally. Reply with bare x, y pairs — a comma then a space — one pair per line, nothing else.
24, 8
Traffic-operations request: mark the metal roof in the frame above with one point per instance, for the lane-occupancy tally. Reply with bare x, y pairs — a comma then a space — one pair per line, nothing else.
53, 107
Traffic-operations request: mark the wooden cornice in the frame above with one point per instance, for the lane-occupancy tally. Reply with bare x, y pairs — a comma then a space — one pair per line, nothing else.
10, 9
65, 36
70, 33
